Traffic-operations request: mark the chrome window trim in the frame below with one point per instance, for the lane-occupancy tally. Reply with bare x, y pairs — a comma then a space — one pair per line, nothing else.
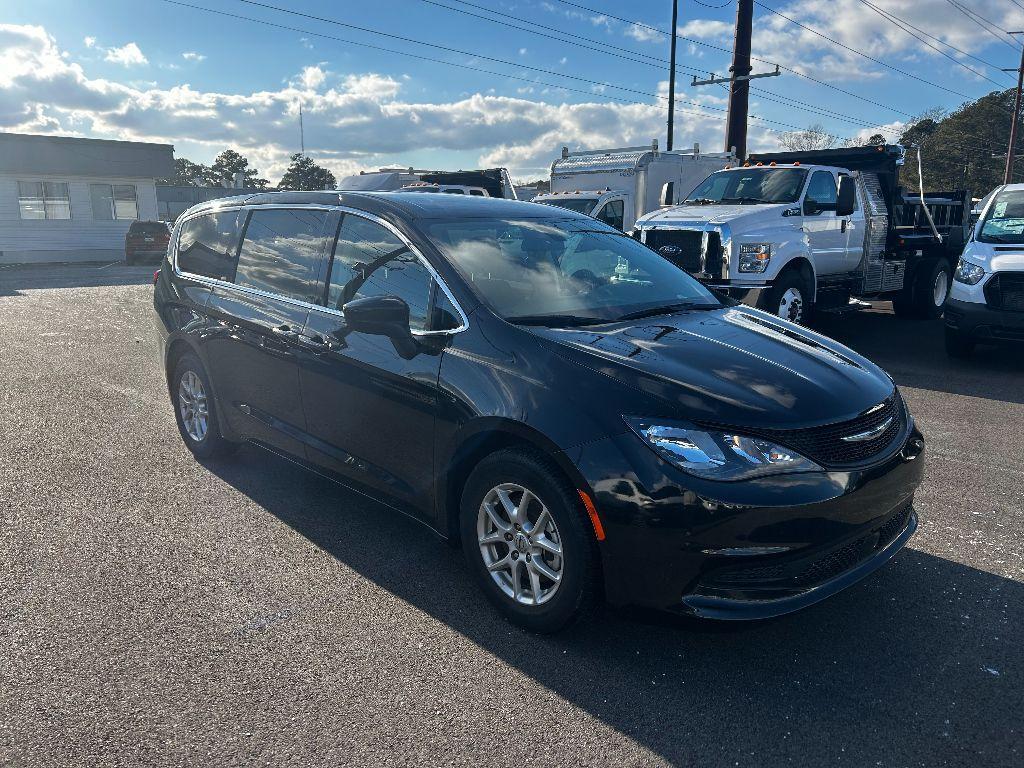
214, 282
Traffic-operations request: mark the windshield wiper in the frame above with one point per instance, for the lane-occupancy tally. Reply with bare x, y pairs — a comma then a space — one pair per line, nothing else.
1015, 239
555, 321
664, 310
745, 200
701, 201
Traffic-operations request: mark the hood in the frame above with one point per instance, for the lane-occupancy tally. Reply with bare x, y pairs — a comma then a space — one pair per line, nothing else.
732, 366
995, 257
684, 215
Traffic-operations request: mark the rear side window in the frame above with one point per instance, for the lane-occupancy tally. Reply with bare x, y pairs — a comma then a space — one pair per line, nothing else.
208, 245
369, 260
281, 252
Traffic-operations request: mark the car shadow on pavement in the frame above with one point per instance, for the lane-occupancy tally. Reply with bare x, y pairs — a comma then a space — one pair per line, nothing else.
913, 353
15, 279
919, 664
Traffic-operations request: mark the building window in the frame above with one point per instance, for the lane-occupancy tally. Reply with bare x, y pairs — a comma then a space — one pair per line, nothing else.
113, 201
44, 200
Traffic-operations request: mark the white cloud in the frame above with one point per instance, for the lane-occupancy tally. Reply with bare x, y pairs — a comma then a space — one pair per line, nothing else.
128, 55
89, 42
193, 56
644, 33
312, 77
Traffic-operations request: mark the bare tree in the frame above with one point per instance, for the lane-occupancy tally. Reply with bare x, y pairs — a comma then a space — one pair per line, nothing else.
812, 137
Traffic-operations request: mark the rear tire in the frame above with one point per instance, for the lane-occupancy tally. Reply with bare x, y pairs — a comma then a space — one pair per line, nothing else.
789, 297
958, 344
195, 409
510, 550
925, 296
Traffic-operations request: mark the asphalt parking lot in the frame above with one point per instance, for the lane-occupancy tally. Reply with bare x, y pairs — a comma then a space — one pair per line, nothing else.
156, 611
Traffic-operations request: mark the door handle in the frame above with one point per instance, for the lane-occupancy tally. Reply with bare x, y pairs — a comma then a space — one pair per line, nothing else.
285, 331
314, 342
844, 225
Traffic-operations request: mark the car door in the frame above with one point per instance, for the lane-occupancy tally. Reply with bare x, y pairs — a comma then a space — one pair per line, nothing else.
259, 318
824, 230
854, 227
370, 410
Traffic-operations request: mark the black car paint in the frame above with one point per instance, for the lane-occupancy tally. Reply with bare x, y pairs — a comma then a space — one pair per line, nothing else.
407, 431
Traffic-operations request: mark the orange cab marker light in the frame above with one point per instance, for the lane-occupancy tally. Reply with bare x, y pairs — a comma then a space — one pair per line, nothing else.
594, 519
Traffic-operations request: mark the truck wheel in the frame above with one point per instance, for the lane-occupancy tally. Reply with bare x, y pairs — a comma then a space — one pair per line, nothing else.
788, 298
926, 294
958, 344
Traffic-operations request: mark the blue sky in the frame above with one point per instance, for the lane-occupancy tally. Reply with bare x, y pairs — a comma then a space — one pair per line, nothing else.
151, 70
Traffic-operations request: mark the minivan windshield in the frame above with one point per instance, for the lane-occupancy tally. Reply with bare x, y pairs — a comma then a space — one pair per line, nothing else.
1004, 220
750, 186
564, 272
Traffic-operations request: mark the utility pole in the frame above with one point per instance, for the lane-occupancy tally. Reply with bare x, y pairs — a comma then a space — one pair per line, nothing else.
672, 77
739, 88
739, 80
1008, 174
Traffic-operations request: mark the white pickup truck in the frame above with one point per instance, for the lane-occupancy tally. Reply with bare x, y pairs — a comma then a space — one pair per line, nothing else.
792, 232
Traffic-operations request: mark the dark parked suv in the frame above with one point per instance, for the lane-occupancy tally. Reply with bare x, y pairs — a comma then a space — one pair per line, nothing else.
146, 240
583, 417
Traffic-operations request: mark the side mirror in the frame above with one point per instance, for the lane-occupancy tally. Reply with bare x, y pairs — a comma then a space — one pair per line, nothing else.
668, 193
382, 316
811, 207
846, 202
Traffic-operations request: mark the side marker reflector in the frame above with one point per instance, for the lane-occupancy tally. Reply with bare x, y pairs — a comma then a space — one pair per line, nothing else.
592, 512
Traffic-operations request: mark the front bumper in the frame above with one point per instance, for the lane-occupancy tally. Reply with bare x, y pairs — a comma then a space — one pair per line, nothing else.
744, 550
981, 323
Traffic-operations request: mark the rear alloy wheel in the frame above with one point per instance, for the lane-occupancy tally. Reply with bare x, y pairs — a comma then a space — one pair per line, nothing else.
528, 541
195, 409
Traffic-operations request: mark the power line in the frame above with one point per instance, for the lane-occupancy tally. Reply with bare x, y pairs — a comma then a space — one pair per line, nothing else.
702, 113
796, 72
823, 36
907, 27
653, 61
984, 23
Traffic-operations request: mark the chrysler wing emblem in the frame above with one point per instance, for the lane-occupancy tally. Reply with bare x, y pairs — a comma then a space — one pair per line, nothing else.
870, 434
670, 250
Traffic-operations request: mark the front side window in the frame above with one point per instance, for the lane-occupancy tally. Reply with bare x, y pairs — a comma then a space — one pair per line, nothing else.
612, 214
370, 260
44, 200
563, 271
113, 201
281, 252
208, 245
822, 190
750, 186
1004, 220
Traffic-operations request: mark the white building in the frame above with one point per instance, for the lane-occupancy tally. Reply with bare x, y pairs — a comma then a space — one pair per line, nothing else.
70, 199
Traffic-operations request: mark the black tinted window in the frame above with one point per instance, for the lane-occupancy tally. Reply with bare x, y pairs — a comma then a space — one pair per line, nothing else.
281, 252
207, 245
370, 260
612, 214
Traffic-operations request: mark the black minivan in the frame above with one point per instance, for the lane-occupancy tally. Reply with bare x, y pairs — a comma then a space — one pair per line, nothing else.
583, 417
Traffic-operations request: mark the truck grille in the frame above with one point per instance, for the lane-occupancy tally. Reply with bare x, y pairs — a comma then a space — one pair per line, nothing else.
1006, 291
697, 252
826, 446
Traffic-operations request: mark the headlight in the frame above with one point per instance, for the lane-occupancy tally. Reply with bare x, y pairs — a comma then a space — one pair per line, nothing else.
718, 455
969, 273
754, 257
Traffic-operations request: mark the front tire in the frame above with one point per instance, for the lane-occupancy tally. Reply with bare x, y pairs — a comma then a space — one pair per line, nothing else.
195, 409
789, 297
528, 541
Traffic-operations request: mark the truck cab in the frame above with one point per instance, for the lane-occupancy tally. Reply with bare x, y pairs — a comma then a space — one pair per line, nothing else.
604, 205
787, 233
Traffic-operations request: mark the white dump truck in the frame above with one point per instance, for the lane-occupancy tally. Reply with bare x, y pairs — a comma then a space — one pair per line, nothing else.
795, 231
618, 186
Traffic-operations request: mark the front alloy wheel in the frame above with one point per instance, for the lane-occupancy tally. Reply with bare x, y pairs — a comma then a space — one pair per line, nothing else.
791, 305
520, 544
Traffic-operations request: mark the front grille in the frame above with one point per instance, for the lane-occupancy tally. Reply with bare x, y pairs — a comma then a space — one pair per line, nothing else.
683, 247
1006, 291
826, 445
